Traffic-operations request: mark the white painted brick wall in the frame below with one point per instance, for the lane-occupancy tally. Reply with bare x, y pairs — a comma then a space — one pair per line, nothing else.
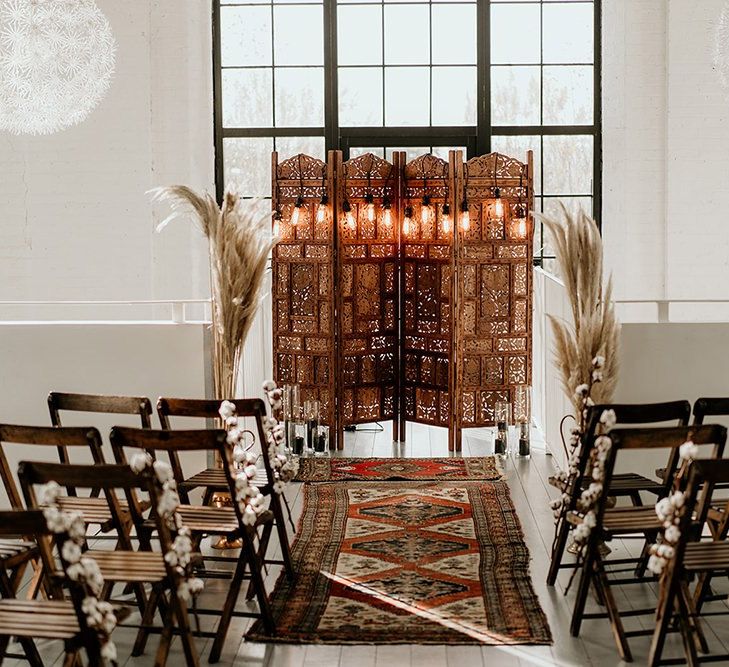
75, 221
666, 150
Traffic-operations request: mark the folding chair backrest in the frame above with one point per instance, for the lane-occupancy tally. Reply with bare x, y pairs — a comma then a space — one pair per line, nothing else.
108, 477
61, 438
253, 408
677, 412
99, 404
711, 437
706, 407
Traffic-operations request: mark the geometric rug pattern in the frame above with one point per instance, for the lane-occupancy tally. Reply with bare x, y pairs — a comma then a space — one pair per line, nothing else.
408, 562
335, 469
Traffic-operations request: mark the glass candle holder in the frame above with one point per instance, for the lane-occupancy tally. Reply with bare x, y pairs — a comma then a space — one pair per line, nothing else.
522, 414
321, 443
291, 410
502, 413
311, 409
298, 432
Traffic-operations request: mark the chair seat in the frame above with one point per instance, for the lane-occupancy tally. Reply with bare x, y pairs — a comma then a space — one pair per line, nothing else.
214, 478
47, 619
621, 485
14, 552
706, 556
624, 520
130, 566
95, 510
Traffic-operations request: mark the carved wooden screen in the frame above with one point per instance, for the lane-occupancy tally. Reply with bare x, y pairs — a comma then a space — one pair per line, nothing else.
429, 325
368, 299
494, 291
427, 294
302, 281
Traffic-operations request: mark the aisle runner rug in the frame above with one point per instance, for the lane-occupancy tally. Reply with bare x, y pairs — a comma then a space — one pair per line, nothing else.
484, 468
410, 563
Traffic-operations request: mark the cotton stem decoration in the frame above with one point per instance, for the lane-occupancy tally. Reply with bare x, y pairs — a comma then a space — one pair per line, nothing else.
240, 241
284, 469
71, 529
179, 556
56, 63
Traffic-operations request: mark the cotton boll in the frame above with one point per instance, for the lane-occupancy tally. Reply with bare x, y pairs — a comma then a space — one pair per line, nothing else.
227, 409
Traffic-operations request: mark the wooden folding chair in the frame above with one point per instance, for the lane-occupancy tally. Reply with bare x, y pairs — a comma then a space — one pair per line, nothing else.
213, 479
623, 521
27, 620
125, 565
624, 484
693, 558
202, 519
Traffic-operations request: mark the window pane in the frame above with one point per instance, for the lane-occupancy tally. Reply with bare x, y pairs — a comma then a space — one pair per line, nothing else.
411, 152
407, 96
567, 165
247, 164
354, 151
568, 95
247, 98
515, 34
360, 96
407, 35
288, 146
515, 95
568, 33
450, 21
245, 36
516, 146
300, 97
442, 151
359, 37
454, 96
299, 35
553, 208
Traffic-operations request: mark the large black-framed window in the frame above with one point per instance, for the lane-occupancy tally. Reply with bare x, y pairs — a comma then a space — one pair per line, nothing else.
382, 75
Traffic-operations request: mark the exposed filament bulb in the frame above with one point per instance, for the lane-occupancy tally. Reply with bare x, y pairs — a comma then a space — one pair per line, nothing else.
370, 207
465, 217
407, 222
321, 211
387, 213
446, 218
498, 204
425, 210
297, 213
349, 218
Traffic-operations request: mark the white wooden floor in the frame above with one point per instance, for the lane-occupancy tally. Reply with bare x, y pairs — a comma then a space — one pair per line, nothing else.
530, 493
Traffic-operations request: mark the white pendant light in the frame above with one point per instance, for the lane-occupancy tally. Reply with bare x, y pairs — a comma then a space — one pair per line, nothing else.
56, 63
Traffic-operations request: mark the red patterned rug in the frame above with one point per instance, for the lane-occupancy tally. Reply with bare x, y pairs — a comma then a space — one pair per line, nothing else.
335, 469
408, 563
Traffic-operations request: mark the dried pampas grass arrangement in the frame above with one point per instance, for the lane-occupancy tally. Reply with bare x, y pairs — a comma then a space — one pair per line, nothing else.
586, 350
239, 239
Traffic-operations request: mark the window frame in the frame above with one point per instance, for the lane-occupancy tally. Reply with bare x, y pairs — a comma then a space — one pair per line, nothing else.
478, 139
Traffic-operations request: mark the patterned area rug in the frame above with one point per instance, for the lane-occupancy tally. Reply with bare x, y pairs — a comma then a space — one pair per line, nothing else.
408, 563
313, 469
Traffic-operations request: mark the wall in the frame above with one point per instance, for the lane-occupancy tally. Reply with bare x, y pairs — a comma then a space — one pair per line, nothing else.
76, 222
135, 359
666, 138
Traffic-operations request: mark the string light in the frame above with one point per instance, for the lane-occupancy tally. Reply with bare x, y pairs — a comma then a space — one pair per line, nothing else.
387, 213
407, 221
446, 218
321, 211
425, 210
370, 207
520, 223
465, 216
349, 218
298, 213
498, 204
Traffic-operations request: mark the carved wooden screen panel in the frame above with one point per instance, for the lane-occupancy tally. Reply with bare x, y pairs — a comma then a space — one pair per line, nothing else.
494, 260
368, 300
427, 294
302, 281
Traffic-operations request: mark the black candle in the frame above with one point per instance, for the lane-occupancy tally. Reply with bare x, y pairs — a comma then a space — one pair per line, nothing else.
500, 441
299, 445
311, 428
320, 442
